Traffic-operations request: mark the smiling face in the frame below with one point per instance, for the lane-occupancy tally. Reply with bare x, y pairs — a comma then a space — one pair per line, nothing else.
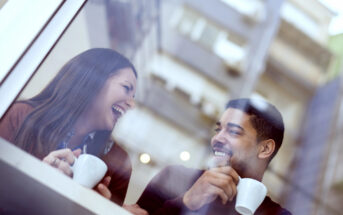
235, 142
113, 100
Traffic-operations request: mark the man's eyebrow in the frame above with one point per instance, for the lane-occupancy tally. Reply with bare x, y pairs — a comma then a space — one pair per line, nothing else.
229, 124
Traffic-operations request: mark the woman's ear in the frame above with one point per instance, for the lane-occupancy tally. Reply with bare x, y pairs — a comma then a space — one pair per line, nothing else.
266, 149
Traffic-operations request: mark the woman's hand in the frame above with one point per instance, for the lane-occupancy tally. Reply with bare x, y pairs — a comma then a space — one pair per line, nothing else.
62, 159
102, 187
135, 209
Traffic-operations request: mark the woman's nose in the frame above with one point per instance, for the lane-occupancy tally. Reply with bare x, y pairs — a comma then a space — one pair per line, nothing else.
131, 102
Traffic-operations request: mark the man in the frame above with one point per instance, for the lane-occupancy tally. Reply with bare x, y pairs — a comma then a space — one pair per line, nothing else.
248, 136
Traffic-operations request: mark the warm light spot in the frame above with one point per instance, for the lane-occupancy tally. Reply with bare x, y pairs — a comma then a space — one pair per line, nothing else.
185, 156
144, 158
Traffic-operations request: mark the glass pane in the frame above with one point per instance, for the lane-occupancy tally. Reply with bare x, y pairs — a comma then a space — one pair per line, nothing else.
188, 67
20, 23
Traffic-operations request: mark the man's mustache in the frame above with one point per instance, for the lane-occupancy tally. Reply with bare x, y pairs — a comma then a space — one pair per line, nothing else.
219, 145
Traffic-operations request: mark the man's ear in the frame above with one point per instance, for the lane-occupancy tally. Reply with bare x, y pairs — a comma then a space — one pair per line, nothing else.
266, 148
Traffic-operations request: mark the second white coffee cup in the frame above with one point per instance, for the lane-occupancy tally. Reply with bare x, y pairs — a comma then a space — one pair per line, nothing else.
250, 194
88, 170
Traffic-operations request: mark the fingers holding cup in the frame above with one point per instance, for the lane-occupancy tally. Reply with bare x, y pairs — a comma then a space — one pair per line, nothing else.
62, 159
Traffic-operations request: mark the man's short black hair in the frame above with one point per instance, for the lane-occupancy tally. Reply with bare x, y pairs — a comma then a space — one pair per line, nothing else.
264, 117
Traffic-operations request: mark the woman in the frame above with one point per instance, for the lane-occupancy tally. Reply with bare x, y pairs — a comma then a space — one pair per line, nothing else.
77, 112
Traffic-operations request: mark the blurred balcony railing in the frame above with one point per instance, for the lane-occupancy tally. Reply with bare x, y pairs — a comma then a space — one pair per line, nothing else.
315, 52
300, 56
175, 105
220, 13
197, 57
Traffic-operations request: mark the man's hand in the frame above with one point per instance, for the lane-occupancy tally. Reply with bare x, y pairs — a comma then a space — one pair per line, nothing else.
135, 209
102, 188
220, 181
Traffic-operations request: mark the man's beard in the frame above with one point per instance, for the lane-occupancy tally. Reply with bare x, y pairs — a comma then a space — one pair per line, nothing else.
239, 166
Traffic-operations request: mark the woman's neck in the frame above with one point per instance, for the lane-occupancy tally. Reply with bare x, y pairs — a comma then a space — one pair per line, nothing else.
82, 127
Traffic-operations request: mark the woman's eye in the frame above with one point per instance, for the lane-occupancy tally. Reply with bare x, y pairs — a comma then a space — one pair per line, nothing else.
127, 88
217, 130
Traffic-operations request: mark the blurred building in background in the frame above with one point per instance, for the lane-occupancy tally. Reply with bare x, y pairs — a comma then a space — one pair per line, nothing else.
336, 46
211, 51
194, 55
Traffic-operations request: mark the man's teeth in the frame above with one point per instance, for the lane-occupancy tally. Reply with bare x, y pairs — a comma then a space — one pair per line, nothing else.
116, 108
222, 154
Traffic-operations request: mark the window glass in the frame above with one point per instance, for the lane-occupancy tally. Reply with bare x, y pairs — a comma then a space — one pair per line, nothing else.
20, 23
165, 117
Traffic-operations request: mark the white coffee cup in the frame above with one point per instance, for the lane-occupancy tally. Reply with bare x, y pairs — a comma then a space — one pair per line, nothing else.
250, 194
88, 170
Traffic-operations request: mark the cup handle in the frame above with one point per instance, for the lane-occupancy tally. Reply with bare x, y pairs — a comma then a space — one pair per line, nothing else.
239, 179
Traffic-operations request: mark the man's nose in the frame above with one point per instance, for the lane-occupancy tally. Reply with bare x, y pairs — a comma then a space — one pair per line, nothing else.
219, 137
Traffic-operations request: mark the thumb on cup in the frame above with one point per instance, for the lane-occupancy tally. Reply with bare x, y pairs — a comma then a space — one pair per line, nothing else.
77, 152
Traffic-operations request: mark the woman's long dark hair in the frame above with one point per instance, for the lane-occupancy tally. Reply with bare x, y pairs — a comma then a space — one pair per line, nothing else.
60, 104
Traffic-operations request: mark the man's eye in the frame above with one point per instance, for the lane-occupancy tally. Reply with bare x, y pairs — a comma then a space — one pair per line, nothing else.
234, 132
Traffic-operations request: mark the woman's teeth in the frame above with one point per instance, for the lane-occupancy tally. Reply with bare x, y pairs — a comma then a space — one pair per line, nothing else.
117, 109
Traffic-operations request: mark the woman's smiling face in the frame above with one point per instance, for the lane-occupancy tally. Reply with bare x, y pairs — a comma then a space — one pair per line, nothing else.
113, 100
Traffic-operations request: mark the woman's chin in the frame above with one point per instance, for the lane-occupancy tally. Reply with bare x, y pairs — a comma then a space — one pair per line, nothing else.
109, 126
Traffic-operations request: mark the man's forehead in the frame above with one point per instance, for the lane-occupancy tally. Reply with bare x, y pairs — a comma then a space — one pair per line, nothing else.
235, 116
